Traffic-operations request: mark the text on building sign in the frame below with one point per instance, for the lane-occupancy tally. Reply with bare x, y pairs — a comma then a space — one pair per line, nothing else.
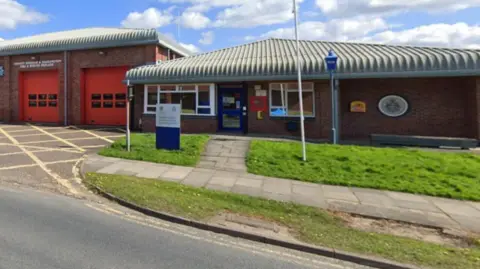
36, 64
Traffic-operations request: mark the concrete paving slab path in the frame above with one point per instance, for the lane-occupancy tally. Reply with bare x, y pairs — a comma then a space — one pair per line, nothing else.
419, 209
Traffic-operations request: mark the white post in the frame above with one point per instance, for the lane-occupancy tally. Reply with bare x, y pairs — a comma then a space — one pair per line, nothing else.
128, 115
300, 94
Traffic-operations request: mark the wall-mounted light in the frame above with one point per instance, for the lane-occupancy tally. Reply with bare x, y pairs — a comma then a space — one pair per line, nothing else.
101, 53
33, 58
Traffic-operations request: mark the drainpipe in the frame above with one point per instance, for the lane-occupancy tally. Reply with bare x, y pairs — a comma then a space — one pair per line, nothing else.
168, 54
65, 91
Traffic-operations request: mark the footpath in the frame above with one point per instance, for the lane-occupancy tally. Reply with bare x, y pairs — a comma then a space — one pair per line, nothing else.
453, 215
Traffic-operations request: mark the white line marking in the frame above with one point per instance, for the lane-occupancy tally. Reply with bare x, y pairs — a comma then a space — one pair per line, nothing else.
60, 180
93, 134
17, 167
269, 253
58, 138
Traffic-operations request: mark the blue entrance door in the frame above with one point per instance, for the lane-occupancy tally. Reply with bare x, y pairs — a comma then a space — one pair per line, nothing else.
230, 109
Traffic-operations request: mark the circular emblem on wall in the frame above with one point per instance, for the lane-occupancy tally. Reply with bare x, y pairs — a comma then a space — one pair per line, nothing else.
393, 106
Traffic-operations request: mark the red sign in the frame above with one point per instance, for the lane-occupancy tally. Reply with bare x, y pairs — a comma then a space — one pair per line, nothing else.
258, 103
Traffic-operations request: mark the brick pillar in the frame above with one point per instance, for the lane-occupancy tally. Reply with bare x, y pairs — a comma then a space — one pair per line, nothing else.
324, 99
476, 101
5, 89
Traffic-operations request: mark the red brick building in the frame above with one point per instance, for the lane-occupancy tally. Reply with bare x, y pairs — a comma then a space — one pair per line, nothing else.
382, 89
78, 77
75, 77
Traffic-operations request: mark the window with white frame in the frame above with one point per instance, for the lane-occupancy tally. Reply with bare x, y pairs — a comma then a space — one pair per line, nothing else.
284, 101
196, 99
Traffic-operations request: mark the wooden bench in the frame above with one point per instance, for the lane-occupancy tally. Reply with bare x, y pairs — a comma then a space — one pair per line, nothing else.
423, 141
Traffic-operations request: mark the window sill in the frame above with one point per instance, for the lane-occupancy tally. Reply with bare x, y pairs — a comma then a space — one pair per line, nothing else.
185, 116
292, 118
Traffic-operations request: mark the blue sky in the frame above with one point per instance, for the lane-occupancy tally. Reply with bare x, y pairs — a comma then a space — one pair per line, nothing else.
212, 24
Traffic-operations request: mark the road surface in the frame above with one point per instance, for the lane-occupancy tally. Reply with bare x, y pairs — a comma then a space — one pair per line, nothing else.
46, 230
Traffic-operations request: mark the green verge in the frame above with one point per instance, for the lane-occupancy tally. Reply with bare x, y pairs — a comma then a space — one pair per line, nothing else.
309, 224
451, 175
143, 149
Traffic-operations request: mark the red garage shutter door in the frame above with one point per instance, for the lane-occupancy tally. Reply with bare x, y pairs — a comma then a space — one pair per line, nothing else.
105, 96
39, 94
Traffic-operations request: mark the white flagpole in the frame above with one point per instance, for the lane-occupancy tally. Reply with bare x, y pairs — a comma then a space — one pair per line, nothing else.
300, 94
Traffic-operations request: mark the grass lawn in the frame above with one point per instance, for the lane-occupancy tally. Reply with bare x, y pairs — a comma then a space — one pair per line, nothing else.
451, 175
143, 149
308, 224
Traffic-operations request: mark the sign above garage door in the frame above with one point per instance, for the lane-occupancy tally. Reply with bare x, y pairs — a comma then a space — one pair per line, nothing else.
37, 64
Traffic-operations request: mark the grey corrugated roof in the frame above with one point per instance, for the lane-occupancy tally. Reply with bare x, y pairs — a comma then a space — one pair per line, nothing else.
87, 38
276, 59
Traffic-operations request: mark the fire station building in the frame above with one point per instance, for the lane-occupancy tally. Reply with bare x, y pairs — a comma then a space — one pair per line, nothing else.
78, 77
383, 89
75, 77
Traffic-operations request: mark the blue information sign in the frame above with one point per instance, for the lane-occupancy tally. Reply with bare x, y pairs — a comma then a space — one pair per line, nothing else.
168, 126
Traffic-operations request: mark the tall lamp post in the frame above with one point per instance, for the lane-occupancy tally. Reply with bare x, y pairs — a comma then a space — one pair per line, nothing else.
331, 61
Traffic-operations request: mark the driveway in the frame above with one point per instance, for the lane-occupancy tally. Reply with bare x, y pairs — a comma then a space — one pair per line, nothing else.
44, 156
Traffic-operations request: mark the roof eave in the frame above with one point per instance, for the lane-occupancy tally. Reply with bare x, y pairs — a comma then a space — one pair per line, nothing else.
79, 47
212, 79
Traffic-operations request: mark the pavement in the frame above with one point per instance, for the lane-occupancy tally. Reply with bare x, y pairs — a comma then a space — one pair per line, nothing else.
225, 153
43, 157
44, 230
453, 215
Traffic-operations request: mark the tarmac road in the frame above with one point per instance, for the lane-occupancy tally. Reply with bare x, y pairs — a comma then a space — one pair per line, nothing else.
46, 230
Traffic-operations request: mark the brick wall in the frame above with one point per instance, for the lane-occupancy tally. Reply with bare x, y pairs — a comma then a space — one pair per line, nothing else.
278, 125
4, 84
76, 61
437, 107
189, 124
10, 86
112, 57
474, 105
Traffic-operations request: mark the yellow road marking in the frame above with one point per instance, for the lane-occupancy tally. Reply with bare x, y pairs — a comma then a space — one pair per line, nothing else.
93, 134
22, 131
60, 180
93, 146
8, 144
17, 166
12, 153
67, 132
58, 138
62, 161
53, 149
40, 141
41, 148
26, 135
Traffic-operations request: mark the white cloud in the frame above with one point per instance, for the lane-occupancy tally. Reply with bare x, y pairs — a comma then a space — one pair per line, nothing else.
459, 35
13, 13
193, 20
334, 30
207, 38
150, 18
194, 49
351, 8
243, 13
253, 13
